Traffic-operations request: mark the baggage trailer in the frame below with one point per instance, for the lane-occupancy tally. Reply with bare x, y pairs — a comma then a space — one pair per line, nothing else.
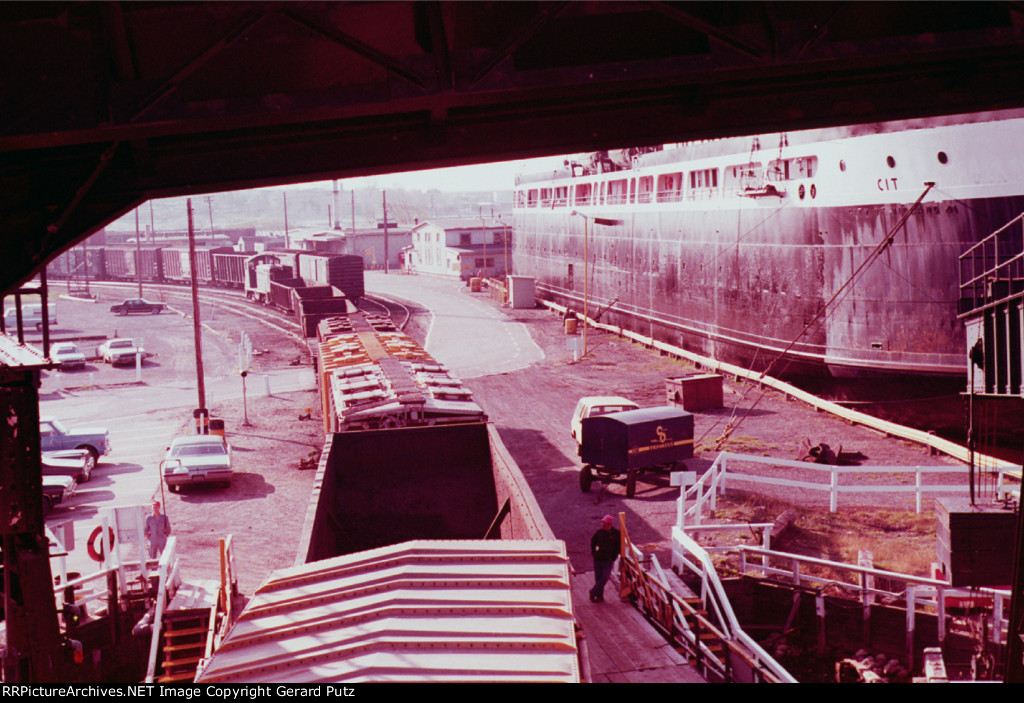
656, 440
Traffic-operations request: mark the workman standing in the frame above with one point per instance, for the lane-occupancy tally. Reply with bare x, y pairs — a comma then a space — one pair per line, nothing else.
158, 528
604, 547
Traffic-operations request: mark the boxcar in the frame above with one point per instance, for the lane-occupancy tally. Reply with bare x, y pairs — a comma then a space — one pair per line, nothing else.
229, 268
177, 268
120, 263
343, 271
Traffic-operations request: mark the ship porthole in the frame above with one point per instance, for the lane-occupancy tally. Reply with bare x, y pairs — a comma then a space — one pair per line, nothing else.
800, 191
814, 191
842, 165
943, 159
891, 161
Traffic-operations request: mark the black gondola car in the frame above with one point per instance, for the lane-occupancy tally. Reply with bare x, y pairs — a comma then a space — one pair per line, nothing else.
632, 442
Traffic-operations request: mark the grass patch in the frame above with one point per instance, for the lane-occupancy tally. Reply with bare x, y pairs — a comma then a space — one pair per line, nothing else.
743, 444
900, 541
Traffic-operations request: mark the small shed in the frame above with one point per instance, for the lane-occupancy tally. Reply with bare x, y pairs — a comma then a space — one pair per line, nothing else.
521, 292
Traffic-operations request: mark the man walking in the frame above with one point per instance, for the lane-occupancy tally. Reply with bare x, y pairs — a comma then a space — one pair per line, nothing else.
604, 547
158, 527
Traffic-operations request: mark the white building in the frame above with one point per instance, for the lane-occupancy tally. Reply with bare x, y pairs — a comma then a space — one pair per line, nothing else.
461, 248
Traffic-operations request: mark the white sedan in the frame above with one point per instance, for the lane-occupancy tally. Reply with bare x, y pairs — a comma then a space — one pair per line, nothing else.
120, 350
197, 459
67, 355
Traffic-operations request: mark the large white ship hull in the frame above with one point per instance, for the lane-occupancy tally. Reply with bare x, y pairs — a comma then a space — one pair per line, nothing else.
744, 275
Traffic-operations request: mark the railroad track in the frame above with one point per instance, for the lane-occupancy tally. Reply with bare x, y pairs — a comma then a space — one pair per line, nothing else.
388, 306
237, 303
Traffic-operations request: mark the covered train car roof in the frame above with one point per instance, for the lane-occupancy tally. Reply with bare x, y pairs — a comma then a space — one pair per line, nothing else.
449, 611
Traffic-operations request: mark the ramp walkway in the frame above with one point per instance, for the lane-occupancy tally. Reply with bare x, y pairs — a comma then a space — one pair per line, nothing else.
620, 645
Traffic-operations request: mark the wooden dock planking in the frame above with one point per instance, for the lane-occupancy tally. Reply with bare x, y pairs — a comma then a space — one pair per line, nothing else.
622, 646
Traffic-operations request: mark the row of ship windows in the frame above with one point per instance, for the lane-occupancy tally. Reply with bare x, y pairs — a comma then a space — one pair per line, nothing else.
670, 187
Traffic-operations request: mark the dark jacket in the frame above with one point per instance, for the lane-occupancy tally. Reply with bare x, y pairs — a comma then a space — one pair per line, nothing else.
604, 545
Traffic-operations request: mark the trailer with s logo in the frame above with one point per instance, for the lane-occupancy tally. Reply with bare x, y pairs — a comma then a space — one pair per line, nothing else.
634, 442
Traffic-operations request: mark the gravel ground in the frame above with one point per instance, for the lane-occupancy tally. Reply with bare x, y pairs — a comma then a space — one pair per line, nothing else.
531, 408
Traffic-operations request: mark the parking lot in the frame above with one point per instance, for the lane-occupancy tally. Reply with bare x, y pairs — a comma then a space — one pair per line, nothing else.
145, 408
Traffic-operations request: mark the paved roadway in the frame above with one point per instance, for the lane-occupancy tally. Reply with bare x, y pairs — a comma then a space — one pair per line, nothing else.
143, 417
466, 334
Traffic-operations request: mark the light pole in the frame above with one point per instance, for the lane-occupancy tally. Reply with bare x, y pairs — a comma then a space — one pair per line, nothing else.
586, 263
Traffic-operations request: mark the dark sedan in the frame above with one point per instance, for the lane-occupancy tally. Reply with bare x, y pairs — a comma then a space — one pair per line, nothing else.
137, 305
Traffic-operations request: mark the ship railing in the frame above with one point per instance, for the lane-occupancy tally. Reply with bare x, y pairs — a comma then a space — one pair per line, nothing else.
703, 625
723, 471
861, 582
870, 586
992, 271
670, 196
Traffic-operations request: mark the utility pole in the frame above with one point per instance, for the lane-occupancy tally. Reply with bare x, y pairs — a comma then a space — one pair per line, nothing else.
384, 193
483, 226
286, 242
196, 328
209, 201
337, 212
138, 251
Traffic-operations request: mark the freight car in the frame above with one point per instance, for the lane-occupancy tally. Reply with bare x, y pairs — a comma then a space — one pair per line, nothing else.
228, 268
178, 266
343, 271
79, 263
127, 263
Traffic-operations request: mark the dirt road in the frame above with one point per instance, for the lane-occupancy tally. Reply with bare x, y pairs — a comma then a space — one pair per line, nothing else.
531, 408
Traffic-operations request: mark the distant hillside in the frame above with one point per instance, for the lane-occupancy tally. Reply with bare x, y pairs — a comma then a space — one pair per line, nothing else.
264, 208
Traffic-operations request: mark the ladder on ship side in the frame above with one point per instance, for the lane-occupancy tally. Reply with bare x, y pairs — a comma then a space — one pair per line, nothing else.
184, 644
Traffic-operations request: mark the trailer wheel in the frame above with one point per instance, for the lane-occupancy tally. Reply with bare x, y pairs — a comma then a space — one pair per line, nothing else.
586, 478
630, 484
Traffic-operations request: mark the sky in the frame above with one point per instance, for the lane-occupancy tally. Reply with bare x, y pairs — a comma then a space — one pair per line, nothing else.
481, 177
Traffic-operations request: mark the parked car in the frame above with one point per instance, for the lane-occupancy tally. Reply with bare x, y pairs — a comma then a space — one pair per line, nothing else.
54, 436
76, 463
137, 305
67, 355
595, 406
31, 316
120, 350
197, 459
57, 490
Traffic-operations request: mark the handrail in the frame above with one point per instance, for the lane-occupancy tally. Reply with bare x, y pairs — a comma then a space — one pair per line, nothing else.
936, 591
167, 570
991, 261
832, 487
657, 592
